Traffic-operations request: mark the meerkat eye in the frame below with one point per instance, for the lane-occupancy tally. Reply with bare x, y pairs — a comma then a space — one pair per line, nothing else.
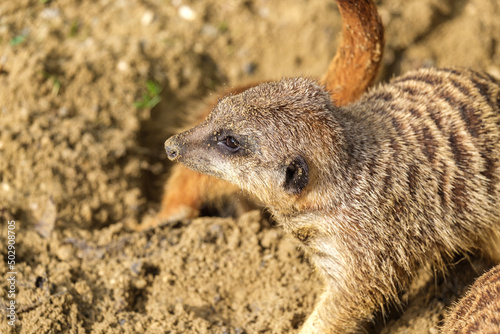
230, 143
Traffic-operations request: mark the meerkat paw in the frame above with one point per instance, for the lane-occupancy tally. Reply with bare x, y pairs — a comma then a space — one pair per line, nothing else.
335, 315
179, 212
312, 324
147, 223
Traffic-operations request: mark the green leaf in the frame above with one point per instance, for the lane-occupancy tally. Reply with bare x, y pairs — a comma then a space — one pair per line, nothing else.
151, 98
17, 40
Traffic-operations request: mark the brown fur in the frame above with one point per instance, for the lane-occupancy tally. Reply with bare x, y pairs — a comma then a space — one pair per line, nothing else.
402, 179
351, 72
359, 55
479, 310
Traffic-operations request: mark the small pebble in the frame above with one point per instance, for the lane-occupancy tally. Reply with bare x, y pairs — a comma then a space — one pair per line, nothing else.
209, 30
141, 283
46, 223
147, 18
178, 309
250, 68
5, 187
63, 111
136, 267
264, 12
49, 13
122, 66
64, 253
187, 13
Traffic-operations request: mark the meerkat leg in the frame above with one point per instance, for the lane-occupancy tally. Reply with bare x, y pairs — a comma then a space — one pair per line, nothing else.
332, 315
320, 320
185, 192
180, 200
315, 321
197, 188
185, 203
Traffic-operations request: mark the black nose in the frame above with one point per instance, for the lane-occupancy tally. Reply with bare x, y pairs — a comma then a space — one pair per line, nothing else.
172, 149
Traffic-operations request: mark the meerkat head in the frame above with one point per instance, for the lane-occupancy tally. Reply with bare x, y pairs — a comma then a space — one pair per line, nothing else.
268, 140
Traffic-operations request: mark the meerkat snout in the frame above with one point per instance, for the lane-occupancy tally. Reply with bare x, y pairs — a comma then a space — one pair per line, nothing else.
172, 148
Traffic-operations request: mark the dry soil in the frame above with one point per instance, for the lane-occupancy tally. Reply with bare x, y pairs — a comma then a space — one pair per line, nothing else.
81, 158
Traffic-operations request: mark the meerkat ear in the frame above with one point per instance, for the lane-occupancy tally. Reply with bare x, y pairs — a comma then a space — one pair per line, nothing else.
296, 175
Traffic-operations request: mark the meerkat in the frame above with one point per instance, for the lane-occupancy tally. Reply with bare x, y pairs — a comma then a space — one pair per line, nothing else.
404, 178
352, 70
371, 195
479, 310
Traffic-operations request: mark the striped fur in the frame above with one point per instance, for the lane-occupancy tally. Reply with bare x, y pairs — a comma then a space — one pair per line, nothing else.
479, 310
421, 184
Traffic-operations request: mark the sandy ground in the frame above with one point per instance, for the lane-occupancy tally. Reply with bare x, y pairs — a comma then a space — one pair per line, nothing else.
81, 159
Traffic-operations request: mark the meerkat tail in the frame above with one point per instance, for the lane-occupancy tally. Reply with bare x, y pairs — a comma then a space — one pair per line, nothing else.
358, 58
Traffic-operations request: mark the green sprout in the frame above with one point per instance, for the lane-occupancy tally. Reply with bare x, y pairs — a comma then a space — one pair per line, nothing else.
73, 30
223, 27
17, 40
151, 98
56, 85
